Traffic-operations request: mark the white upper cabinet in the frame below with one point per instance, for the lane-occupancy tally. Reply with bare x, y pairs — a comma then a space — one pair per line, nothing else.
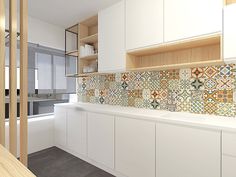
144, 23
111, 38
191, 18
229, 33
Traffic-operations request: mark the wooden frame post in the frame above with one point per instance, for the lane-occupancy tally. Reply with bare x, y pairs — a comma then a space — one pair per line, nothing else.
2, 72
13, 78
24, 81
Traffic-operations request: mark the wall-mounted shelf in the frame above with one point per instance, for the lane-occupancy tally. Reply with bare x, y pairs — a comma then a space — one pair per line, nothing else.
74, 53
90, 39
228, 2
89, 57
85, 33
186, 53
88, 35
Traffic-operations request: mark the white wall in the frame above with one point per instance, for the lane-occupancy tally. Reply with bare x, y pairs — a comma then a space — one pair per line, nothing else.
43, 33
40, 134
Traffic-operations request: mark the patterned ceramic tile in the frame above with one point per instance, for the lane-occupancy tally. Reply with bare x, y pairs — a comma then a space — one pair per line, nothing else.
211, 72
174, 84
146, 94
185, 74
197, 72
155, 103
210, 84
202, 90
197, 84
225, 83
225, 96
225, 109
197, 106
210, 107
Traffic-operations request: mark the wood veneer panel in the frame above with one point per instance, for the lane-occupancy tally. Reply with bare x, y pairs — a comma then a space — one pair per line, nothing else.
24, 81
13, 78
2, 72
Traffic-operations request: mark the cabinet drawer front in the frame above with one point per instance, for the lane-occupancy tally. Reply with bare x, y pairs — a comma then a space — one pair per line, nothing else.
229, 164
229, 143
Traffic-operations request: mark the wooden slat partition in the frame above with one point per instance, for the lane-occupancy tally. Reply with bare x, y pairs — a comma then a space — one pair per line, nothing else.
13, 78
23, 81
2, 72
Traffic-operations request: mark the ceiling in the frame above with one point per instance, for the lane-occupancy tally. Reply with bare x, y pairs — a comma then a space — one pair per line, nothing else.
66, 12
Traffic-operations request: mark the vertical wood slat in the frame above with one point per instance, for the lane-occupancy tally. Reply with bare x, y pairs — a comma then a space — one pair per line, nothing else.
24, 81
2, 72
13, 78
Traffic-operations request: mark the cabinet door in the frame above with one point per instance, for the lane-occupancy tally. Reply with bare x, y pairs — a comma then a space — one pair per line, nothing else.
184, 151
101, 138
229, 33
111, 42
229, 164
189, 18
76, 131
135, 147
144, 23
60, 114
44, 70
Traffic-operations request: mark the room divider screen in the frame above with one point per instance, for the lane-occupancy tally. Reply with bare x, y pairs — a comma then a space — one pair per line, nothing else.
13, 77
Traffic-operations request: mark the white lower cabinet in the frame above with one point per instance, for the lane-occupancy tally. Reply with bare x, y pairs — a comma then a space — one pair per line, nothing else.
60, 136
229, 164
101, 138
77, 131
135, 147
185, 151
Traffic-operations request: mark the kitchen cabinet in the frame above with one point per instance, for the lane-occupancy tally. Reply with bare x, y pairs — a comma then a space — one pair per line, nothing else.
228, 166
190, 18
144, 23
229, 35
44, 70
77, 131
185, 151
111, 38
135, 147
60, 82
101, 138
60, 121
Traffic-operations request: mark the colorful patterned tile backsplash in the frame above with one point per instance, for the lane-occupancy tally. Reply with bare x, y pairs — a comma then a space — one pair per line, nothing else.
203, 90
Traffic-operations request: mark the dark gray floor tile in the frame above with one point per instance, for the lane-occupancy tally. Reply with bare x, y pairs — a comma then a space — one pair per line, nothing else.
54, 162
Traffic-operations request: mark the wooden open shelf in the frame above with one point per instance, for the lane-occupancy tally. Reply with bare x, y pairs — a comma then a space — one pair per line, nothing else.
186, 53
90, 57
74, 53
90, 39
228, 2
88, 74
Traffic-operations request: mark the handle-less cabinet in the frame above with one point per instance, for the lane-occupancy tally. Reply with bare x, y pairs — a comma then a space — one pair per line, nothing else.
135, 147
144, 23
190, 18
229, 154
101, 138
185, 151
229, 35
111, 38
60, 122
77, 131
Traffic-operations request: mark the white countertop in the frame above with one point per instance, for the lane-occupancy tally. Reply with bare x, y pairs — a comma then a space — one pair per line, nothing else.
188, 119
